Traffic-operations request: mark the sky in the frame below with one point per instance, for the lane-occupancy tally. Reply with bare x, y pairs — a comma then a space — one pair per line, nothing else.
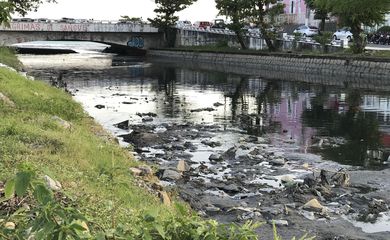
112, 10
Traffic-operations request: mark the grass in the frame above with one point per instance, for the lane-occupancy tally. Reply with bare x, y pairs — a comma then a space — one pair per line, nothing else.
79, 158
8, 57
92, 168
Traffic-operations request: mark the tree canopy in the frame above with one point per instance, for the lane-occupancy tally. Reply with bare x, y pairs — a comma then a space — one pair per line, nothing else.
236, 11
21, 7
259, 12
166, 10
355, 14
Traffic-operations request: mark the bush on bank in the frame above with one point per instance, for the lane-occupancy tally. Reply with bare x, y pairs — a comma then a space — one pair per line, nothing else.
99, 197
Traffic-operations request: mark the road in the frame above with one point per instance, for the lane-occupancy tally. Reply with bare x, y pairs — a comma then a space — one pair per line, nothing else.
378, 47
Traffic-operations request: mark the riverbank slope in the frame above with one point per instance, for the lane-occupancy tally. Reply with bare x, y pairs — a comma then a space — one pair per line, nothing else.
43, 128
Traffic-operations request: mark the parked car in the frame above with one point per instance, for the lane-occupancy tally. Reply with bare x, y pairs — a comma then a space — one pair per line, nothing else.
343, 33
307, 31
67, 20
182, 24
219, 24
22, 20
203, 24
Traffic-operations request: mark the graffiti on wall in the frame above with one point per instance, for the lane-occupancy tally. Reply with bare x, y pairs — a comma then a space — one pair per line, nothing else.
76, 27
137, 42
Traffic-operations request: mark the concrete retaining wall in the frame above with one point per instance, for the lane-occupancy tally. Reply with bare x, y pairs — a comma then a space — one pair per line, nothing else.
369, 74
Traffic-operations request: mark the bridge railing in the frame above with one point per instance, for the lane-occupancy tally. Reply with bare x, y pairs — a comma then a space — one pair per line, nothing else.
77, 27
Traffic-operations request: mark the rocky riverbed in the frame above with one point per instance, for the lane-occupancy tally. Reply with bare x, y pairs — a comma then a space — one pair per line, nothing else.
215, 145
241, 178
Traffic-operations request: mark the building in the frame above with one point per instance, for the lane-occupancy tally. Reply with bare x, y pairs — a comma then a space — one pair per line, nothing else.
296, 12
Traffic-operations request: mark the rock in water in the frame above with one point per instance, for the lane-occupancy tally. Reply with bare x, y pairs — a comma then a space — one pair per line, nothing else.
314, 205
123, 125
182, 166
171, 175
100, 106
215, 157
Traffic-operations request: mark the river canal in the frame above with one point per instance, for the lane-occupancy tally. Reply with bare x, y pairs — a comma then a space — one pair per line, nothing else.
249, 143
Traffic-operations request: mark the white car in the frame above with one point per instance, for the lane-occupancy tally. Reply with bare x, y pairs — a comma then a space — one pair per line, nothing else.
183, 24
307, 31
343, 33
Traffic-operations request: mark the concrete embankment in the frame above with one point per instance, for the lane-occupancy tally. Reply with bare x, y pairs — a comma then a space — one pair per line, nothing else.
367, 73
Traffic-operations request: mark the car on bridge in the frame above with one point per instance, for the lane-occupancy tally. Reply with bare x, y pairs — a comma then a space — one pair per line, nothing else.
67, 20
183, 24
22, 20
203, 24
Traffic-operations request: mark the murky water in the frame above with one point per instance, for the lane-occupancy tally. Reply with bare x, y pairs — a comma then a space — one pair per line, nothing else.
292, 111
203, 113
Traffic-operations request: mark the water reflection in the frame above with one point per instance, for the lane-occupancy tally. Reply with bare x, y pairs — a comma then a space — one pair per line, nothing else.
344, 115
292, 111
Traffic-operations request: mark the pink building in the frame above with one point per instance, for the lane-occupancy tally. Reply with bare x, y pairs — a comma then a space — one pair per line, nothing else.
296, 12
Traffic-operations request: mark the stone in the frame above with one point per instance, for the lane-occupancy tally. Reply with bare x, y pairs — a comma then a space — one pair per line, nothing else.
215, 157
165, 199
122, 125
147, 119
212, 209
278, 162
142, 139
52, 184
314, 205
203, 110
212, 144
6, 100
64, 124
230, 154
287, 179
146, 170
182, 166
279, 222
100, 106
136, 171
10, 225
377, 206
171, 175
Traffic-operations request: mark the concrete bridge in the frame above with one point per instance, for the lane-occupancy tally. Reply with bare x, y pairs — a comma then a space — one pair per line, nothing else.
142, 36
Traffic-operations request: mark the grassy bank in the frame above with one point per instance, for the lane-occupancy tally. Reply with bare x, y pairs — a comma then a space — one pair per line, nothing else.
8, 57
36, 140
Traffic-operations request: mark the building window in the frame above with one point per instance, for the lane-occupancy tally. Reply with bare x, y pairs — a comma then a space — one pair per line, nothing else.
292, 7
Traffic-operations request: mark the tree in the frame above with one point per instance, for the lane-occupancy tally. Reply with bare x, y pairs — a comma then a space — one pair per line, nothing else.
22, 7
355, 14
235, 10
166, 19
320, 13
263, 13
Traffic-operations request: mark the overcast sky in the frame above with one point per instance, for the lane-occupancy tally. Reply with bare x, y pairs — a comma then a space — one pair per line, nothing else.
113, 9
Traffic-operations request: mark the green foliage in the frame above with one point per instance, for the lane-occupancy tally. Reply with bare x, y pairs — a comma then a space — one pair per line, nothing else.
321, 12
260, 12
166, 10
46, 219
49, 219
235, 10
324, 39
166, 19
8, 57
384, 29
21, 7
355, 14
